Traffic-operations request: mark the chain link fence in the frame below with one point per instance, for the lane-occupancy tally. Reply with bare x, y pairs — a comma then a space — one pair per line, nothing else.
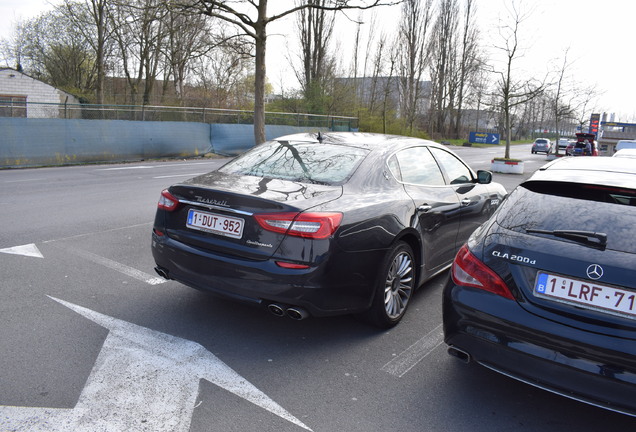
167, 113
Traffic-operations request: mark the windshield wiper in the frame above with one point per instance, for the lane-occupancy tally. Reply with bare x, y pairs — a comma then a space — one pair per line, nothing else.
590, 238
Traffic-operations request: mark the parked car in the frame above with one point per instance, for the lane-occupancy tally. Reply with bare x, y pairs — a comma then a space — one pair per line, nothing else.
545, 291
580, 146
625, 144
563, 144
626, 153
323, 224
541, 145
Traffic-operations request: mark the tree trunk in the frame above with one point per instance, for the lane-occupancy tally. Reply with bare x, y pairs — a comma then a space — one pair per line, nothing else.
260, 74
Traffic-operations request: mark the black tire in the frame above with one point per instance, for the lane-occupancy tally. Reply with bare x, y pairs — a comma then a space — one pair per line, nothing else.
394, 287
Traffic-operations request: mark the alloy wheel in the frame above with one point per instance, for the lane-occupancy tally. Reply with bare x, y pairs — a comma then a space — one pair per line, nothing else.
398, 285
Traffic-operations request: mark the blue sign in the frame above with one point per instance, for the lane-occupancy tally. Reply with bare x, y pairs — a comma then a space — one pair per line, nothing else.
484, 138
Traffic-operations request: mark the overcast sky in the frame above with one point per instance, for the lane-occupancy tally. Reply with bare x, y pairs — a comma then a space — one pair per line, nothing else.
600, 37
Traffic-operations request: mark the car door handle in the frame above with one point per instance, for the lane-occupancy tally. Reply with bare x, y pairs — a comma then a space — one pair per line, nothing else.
424, 208
466, 202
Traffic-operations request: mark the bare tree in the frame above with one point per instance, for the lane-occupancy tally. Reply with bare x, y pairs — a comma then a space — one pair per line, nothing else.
469, 63
251, 18
567, 98
444, 55
12, 48
188, 37
139, 28
220, 74
510, 91
413, 55
393, 58
479, 84
91, 19
47, 47
586, 105
379, 86
315, 29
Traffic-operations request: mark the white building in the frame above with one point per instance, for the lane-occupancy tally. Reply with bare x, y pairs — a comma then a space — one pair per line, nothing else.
24, 96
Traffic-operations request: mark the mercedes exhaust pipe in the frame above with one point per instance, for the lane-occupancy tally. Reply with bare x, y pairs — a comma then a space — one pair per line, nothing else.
162, 272
460, 354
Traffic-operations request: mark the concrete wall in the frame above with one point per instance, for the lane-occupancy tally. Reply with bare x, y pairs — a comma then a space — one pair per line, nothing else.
232, 139
26, 142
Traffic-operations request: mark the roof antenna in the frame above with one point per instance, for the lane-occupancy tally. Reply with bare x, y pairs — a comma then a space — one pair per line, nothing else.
320, 137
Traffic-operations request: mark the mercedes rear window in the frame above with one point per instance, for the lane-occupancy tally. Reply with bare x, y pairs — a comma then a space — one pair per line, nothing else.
306, 162
550, 206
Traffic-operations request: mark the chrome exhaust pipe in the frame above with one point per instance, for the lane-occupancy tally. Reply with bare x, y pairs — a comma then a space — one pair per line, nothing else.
276, 309
460, 354
297, 313
162, 272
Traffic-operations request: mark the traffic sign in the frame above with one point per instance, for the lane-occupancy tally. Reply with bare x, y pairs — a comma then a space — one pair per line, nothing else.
484, 138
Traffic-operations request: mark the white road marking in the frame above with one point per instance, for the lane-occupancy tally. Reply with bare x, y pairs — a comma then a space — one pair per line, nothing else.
121, 268
406, 360
127, 168
26, 250
148, 224
143, 380
152, 166
20, 181
178, 175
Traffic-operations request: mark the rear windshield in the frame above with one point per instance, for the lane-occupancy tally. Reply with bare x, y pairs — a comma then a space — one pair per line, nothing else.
572, 206
307, 162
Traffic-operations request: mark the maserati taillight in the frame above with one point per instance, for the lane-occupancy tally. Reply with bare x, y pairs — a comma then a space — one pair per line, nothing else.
167, 201
468, 270
316, 225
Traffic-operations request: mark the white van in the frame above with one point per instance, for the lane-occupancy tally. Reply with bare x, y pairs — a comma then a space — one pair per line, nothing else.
623, 144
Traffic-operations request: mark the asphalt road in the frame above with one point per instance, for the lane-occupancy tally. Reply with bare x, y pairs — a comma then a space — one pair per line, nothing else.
92, 340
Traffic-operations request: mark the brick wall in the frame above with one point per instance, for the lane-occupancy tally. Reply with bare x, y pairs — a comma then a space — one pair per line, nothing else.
14, 83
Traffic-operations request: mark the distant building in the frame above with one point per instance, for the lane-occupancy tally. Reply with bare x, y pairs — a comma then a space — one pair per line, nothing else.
479, 121
611, 133
24, 96
375, 88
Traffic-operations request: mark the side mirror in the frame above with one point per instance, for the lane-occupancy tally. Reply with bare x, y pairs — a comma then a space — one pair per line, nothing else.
484, 177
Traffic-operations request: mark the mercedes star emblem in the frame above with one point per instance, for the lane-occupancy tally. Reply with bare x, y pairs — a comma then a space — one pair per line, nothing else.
595, 271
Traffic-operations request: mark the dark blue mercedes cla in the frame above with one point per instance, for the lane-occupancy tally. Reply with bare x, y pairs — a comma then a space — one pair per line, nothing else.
545, 291
323, 224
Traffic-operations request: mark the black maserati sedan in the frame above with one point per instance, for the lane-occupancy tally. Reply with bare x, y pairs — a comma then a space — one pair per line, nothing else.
545, 291
323, 224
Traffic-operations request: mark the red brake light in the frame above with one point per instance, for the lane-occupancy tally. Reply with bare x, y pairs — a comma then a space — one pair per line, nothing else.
167, 201
292, 266
468, 270
318, 225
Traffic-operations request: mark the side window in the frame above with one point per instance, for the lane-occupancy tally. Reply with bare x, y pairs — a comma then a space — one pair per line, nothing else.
418, 166
454, 168
394, 167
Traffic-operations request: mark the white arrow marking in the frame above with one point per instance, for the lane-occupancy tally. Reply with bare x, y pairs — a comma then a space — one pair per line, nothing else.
143, 380
26, 250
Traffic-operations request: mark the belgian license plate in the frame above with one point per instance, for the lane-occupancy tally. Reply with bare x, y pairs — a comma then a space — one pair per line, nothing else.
587, 294
215, 223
